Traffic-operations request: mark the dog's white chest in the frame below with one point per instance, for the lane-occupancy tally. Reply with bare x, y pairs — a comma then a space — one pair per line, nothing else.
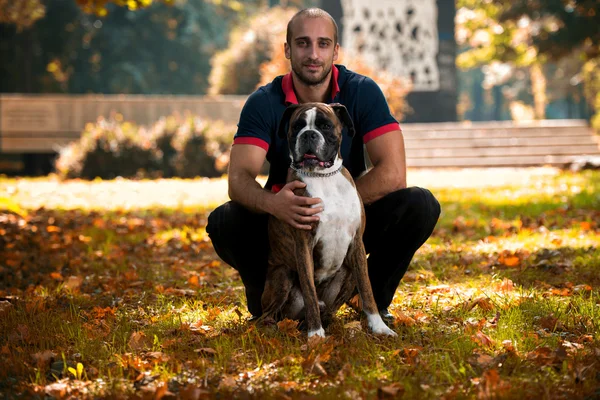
339, 221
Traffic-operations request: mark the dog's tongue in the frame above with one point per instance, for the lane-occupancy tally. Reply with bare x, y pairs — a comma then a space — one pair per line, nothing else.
311, 159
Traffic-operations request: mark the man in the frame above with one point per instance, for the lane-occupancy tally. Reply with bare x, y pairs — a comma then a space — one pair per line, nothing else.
399, 219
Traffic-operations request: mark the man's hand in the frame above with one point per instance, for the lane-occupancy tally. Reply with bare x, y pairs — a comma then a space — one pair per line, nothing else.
295, 210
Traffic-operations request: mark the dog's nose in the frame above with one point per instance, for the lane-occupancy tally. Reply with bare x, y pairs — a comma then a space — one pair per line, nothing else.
313, 135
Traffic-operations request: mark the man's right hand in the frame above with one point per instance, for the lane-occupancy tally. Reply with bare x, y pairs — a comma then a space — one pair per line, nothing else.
295, 210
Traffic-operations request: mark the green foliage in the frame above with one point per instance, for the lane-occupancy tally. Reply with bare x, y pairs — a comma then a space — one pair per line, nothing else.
236, 69
521, 31
175, 146
561, 26
155, 50
21, 13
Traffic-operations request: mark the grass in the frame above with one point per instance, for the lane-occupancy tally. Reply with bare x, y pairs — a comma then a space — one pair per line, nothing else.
120, 278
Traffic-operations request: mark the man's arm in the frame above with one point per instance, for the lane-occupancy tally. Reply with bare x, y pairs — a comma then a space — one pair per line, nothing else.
388, 174
244, 166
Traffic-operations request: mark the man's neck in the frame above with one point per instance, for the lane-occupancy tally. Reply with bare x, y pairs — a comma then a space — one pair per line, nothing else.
313, 93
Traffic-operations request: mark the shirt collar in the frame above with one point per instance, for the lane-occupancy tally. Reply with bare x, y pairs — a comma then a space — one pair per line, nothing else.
287, 85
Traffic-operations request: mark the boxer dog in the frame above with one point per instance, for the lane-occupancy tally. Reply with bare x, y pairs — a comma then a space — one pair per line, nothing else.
311, 274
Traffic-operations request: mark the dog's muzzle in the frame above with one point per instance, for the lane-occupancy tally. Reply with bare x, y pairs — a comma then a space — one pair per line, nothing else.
311, 151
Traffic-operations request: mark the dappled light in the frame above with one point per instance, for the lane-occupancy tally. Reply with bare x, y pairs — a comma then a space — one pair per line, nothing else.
123, 296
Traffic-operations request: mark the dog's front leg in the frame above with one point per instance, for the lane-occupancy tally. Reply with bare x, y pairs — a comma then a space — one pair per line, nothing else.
306, 275
357, 261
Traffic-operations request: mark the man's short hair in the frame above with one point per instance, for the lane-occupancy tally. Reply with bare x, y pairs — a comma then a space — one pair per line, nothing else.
311, 13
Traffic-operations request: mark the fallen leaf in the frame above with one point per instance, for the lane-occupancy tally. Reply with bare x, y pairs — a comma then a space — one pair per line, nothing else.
510, 261
394, 390
411, 354
288, 327
206, 351
509, 346
482, 339
227, 383
505, 286
194, 281
551, 323
198, 328
439, 289
483, 302
138, 341
73, 282
402, 319
493, 386
353, 325
56, 276
43, 358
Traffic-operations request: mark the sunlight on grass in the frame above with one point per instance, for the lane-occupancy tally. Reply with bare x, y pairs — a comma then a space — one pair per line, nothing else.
112, 289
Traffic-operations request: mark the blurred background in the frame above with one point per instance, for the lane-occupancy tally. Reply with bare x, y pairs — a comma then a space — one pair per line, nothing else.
153, 88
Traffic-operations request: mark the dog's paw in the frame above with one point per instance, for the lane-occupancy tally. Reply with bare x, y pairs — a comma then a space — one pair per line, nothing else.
378, 327
384, 331
318, 332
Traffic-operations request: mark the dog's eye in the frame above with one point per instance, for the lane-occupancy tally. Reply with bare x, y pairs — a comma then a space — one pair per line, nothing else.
298, 125
325, 126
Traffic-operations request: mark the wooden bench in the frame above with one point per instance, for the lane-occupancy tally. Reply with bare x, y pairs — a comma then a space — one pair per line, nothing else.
37, 125
498, 143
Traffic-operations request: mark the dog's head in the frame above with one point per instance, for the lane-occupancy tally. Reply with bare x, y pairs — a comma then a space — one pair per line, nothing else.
315, 133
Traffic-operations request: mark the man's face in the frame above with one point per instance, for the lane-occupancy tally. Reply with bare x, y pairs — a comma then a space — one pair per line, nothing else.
312, 50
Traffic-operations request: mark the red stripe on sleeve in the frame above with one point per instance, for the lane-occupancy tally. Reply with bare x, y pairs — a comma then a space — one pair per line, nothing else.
253, 141
394, 126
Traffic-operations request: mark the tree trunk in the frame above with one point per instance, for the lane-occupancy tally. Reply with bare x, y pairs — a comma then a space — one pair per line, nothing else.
538, 87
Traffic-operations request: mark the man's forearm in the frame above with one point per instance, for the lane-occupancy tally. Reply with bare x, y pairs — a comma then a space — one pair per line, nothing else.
247, 191
378, 182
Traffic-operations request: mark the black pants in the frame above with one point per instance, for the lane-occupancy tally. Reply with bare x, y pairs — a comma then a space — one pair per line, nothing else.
397, 225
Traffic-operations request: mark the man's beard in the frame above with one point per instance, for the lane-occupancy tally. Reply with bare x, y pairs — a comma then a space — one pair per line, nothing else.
311, 80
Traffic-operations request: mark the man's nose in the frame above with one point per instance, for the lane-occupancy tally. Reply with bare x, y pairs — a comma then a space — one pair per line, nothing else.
313, 52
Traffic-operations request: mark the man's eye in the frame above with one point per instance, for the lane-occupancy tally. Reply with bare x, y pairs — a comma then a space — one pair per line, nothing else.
324, 44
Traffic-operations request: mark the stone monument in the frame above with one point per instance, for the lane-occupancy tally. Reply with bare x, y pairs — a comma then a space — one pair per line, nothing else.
408, 38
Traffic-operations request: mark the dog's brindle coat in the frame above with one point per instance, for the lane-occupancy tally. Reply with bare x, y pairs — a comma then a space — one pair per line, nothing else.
311, 274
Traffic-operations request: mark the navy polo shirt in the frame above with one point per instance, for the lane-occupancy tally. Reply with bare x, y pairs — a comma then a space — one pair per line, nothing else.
264, 108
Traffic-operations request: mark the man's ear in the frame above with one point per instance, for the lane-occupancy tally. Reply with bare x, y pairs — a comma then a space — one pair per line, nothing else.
344, 116
287, 50
283, 122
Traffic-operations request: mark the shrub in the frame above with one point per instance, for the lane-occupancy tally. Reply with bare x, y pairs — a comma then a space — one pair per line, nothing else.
175, 146
235, 70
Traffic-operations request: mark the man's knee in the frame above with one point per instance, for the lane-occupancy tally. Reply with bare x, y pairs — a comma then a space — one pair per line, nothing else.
425, 206
420, 206
232, 224
224, 219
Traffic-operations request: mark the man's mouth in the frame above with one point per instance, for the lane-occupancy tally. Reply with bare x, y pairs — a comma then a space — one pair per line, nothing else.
312, 66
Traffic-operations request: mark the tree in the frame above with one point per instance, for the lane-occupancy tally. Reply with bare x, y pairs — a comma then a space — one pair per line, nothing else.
21, 13
161, 48
562, 26
491, 42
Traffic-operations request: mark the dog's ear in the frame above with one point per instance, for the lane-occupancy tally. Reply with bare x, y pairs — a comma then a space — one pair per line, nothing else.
283, 122
344, 116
